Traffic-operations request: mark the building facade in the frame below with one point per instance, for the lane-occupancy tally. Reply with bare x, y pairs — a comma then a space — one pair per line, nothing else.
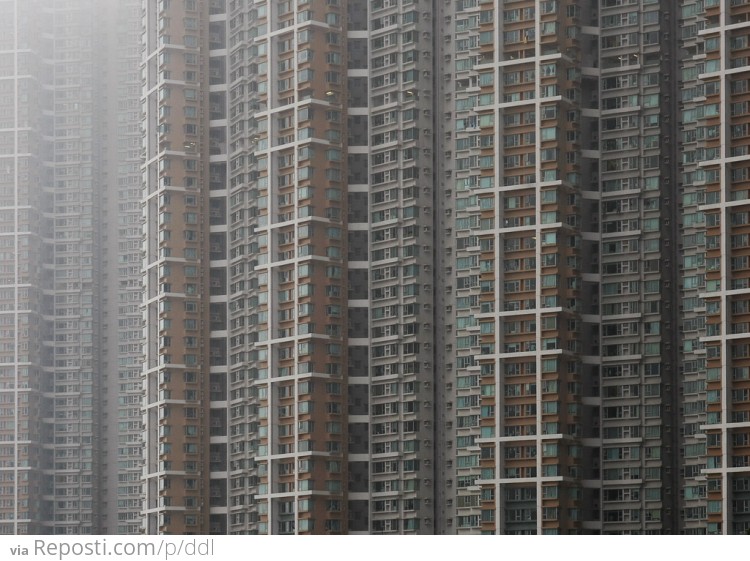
71, 227
518, 232
177, 273
374, 266
715, 178
24, 153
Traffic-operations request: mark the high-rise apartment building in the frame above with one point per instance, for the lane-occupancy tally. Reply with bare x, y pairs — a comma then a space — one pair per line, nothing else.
469, 223
288, 341
120, 266
22, 173
71, 395
713, 129
185, 266
374, 266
